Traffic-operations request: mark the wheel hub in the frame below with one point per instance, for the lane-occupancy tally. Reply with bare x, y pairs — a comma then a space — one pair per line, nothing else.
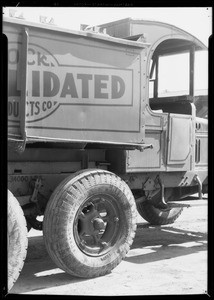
98, 224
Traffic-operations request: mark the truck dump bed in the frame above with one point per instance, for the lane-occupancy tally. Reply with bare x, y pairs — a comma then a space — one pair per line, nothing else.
73, 86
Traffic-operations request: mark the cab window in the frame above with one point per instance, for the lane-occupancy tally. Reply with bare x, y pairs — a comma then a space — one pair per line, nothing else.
179, 78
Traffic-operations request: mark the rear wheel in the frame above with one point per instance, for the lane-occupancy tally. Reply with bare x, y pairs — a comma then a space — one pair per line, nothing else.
89, 223
17, 239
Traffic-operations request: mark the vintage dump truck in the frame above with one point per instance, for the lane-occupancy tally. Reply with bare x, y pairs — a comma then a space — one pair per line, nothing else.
95, 134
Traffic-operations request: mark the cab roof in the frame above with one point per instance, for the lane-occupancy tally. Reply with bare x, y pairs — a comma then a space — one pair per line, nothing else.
132, 28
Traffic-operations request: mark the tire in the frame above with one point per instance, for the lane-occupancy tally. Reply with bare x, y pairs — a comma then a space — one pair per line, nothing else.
89, 223
158, 216
17, 239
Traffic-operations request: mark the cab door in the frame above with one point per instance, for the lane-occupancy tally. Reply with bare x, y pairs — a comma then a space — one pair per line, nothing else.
180, 142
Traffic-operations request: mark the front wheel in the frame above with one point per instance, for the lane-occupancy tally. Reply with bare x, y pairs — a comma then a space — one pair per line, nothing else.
156, 215
89, 223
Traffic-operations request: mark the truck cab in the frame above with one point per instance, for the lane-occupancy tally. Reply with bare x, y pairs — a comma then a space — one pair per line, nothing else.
174, 100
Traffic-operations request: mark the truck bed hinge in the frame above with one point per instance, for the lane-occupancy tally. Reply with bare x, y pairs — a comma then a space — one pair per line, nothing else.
142, 147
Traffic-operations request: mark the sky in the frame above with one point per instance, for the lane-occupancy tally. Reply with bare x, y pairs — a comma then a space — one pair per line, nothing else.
195, 20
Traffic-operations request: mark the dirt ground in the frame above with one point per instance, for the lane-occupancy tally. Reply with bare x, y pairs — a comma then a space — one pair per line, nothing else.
163, 260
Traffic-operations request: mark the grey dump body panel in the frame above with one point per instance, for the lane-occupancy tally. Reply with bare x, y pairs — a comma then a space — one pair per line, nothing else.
73, 86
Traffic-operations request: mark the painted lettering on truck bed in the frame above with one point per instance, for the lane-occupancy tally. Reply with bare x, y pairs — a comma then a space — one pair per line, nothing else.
51, 84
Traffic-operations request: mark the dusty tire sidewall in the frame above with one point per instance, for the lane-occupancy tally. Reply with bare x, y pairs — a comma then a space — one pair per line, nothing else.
65, 239
17, 239
125, 216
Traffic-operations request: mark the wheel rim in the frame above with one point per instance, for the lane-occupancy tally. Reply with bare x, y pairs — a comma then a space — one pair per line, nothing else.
97, 225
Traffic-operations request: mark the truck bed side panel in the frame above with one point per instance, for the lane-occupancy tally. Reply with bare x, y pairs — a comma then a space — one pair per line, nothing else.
78, 88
